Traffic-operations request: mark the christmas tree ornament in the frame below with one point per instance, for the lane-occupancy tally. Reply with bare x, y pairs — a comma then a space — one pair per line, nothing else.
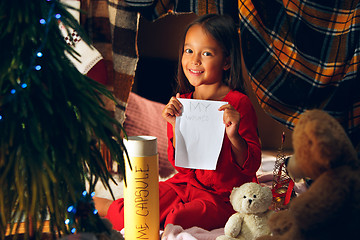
283, 185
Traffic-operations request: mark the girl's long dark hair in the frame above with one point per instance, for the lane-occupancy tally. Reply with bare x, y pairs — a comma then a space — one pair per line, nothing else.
223, 29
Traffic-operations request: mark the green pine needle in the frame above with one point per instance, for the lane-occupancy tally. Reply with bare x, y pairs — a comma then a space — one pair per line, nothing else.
51, 127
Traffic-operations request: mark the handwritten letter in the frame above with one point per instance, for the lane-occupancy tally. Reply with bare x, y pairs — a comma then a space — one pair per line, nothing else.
199, 133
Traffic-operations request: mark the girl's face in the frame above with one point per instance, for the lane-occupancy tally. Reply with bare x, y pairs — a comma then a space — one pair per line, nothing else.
203, 60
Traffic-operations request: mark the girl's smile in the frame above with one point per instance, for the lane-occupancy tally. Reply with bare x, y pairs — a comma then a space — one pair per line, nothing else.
197, 72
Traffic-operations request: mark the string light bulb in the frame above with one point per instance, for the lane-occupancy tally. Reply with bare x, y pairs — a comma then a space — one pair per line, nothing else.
39, 54
70, 209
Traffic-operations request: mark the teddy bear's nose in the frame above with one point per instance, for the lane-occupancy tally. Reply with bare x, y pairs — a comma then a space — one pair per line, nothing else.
250, 201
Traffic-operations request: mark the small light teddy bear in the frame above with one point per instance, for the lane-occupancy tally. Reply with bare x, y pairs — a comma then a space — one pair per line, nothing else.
251, 201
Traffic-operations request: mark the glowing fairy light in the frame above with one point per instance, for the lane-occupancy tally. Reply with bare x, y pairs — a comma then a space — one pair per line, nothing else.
39, 53
70, 209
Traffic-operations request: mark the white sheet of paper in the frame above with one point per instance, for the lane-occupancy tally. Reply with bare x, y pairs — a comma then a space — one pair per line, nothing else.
199, 134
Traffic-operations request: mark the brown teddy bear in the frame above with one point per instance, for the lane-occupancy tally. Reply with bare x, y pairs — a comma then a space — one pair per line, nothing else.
330, 208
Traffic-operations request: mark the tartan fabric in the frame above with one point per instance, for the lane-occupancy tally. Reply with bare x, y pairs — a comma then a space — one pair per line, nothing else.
299, 54
112, 25
200, 7
95, 20
303, 55
158, 9
124, 26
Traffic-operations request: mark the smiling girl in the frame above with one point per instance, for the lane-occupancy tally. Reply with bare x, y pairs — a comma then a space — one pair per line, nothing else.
209, 69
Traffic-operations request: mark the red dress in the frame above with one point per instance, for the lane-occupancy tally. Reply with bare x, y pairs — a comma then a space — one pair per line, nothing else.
195, 197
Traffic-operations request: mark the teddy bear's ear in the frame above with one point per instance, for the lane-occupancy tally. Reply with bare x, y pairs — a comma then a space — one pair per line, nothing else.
268, 196
267, 191
233, 193
234, 198
320, 143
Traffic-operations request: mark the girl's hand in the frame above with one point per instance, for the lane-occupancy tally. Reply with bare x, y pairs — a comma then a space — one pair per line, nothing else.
231, 120
172, 110
238, 144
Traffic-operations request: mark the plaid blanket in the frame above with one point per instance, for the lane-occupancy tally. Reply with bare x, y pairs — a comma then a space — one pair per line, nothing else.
302, 55
299, 54
112, 25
